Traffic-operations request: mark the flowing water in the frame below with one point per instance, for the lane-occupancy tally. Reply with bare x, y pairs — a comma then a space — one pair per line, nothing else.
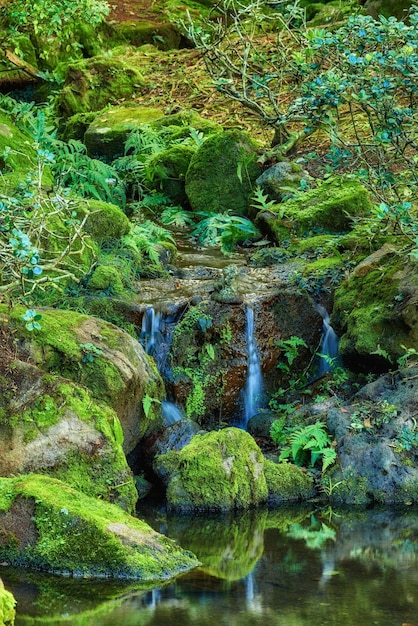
329, 343
253, 395
287, 567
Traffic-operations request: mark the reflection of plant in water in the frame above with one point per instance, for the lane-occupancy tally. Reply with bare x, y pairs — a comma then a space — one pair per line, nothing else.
315, 536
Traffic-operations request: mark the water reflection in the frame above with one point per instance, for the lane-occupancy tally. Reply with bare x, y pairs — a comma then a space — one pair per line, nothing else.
289, 567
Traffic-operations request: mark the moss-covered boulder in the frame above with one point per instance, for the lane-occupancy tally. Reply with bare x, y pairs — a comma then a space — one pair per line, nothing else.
222, 173
282, 179
107, 133
331, 207
388, 8
217, 471
165, 36
91, 84
108, 361
50, 526
169, 169
287, 483
375, 309
7, 607
105, 222
107, 280
17, 155
51, 426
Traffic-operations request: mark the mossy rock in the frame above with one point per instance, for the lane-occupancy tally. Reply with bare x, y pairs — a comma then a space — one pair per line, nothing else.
49, 526
375, 309
169, 169
105, 222
212, 181
287, 483
331, 207
107, 133
21, 156
164, 36
321, 14
107, 279
100, 356
387, 8
7, 607
51, 426
179, 125
92, 84
218, 471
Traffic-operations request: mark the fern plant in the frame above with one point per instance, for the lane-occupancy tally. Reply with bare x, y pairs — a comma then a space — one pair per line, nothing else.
87, 177
309, 444
224, 230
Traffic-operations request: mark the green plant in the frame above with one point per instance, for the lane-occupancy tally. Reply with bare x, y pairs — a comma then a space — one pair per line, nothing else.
261, 202
90, 351
308, 445
406, 439
147, 403
409, 358
52, 19
370, 415
224, 230
357, 83
32, 319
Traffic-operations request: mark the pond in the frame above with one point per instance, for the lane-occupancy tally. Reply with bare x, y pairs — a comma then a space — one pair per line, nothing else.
283, 567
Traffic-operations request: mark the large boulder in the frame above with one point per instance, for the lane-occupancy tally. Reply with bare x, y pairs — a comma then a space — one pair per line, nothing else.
375, 310
222, 173
332, 207
51, 426
47, 525
91, 84
105, 359
106, 135
377, 442
217, 471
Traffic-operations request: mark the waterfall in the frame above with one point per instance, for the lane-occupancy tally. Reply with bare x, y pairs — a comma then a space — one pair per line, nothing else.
254, 385
329, 343
156, 332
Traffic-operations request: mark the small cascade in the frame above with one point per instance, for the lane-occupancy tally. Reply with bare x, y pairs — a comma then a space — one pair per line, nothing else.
329, 343
156, 332
254, 386
171, 413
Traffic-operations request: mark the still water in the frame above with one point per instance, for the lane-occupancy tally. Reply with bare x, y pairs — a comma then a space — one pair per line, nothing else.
287, 567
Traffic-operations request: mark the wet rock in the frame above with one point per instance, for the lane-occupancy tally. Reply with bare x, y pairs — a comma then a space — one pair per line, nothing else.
377, 442
51, 426
218, 471
113, 545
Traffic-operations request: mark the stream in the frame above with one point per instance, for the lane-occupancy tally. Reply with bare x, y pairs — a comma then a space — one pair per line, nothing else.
288, 567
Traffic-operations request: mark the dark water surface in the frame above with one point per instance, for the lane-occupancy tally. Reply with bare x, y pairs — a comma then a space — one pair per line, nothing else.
288, 567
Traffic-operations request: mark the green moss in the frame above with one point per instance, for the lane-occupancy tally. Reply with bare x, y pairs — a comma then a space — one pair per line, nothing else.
138, 33
169, 169
107, 133
330, 207
218, 471
92, 84
106, 278
212, 181
105, 221
322, 267
84, 536
366, 309
7, 607
286, 482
